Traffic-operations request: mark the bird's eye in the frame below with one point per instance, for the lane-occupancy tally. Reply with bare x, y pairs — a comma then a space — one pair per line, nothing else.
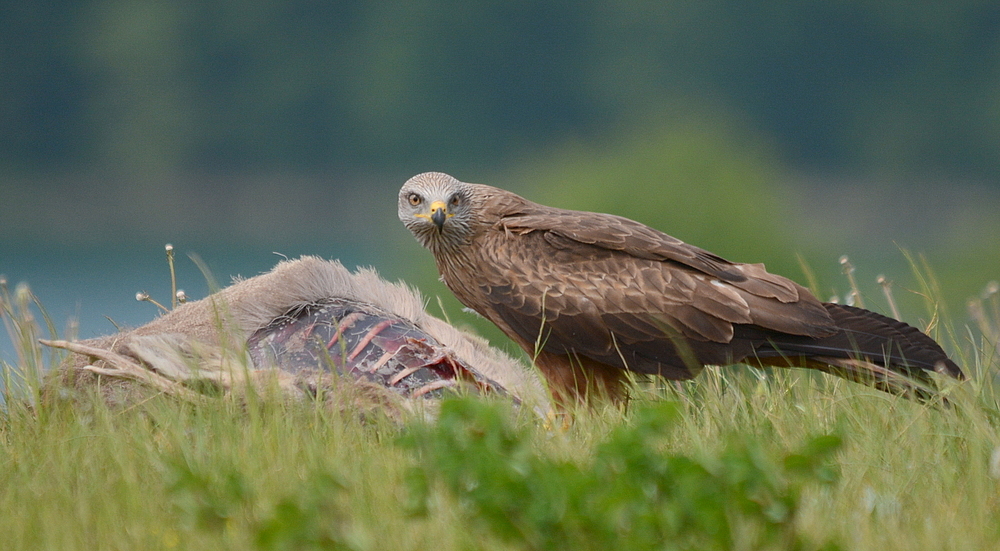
415, 199
454, 200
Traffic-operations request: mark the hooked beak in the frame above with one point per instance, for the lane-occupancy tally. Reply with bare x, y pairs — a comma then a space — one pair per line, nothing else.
439, 213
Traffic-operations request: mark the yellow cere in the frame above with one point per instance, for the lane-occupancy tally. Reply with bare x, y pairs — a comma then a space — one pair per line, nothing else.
439, 205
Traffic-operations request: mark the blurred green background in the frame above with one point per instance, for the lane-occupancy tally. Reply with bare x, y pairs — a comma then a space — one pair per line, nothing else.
763, 131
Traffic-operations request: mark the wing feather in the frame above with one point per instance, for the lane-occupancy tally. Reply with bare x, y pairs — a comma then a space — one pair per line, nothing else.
564, 227
627, 295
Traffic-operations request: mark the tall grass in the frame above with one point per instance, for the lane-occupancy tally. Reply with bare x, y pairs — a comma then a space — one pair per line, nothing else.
19, 313
736, 459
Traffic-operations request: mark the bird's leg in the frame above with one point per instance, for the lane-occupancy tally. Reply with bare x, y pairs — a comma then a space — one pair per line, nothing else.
577, 380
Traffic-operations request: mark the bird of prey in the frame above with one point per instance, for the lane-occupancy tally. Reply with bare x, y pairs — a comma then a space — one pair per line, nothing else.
590, 296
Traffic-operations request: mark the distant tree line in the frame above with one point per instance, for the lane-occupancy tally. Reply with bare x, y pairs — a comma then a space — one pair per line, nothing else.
894, 87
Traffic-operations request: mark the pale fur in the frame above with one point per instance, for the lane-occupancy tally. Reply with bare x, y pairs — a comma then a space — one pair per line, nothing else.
209, 335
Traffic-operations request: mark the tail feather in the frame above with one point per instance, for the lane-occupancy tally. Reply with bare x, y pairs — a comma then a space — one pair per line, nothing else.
869, 348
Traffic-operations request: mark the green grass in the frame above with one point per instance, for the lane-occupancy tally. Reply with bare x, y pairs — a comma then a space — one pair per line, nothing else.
737, 459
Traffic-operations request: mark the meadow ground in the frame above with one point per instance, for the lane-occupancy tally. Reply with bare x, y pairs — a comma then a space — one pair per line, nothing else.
737, 459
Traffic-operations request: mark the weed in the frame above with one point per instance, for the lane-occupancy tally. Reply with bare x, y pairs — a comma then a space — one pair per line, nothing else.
219, 500
630, 495
19, 312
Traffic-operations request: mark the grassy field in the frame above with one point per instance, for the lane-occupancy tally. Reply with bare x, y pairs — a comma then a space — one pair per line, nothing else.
737, 459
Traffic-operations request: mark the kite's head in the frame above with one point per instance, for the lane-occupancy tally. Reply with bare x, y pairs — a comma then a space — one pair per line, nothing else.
437, 209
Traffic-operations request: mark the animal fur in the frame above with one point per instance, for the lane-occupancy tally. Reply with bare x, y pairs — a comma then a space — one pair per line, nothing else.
206, 339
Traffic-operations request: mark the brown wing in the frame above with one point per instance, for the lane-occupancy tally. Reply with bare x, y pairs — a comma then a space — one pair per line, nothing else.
616, 233
627, 295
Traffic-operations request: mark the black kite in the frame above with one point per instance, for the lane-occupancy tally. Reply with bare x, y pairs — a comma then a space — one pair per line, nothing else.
590, 295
